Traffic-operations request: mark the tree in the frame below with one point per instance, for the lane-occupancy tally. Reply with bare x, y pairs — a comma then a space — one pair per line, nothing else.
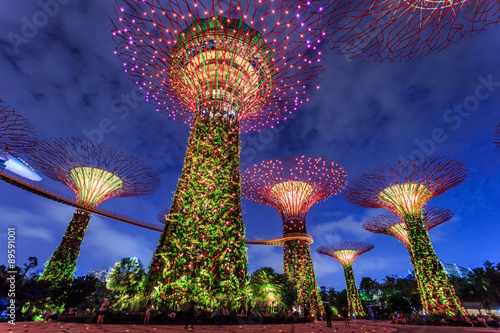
126, 279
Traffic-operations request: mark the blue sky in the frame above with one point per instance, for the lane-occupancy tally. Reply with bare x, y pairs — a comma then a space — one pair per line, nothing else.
63, 76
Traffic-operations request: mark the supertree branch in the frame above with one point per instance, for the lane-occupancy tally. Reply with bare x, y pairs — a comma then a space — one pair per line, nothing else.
400, 30
405, 187
392, 224
95, 173
15, 132
346, 253
496, 135
252, 61
292, 185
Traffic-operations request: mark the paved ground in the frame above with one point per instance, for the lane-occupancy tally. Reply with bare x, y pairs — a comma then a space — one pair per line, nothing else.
358, 326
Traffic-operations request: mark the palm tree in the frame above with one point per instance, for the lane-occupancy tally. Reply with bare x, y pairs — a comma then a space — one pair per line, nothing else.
266, 287
126, 279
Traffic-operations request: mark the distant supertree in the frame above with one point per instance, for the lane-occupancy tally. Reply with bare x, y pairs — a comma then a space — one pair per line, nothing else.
292, 185
15, 133
222, 67
345, 253
95, 173
404, 188
399, 30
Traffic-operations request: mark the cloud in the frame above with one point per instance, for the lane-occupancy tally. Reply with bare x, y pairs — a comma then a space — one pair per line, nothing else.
265, 256
344, 229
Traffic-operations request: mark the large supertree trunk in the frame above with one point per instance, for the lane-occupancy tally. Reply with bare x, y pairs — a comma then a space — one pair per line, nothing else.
201, 255
436, 292
61, 265
353, 298
298, 266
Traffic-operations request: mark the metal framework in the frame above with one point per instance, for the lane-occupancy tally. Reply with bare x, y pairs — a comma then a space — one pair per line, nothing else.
251, 62
346, 253
404, 188
400, 30
223, 67
95, 173
15, 132
292, 185
391, 224
496, 135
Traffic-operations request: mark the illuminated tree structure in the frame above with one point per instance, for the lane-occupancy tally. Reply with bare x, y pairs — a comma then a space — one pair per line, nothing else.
345, 253
95, 173
399, 30
391, 224
404, 188
222, 67
292, 185
15, 134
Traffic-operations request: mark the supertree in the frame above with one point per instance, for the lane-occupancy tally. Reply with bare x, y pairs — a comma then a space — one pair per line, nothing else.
345, 253
399, 30
392, 224
15, 133
95, 173
222, 67
292, 185
404, 188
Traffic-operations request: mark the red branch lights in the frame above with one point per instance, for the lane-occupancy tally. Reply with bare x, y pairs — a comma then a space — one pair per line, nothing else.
404, 188
15, 132
391, 224
400, 30
496, 135
346, 253
95, 173
252, 62
292, 185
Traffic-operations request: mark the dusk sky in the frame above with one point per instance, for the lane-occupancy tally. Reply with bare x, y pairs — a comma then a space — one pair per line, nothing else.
63, 77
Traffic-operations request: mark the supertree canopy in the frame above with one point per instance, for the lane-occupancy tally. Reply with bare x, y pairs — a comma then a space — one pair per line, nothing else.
400, 30
292, 185
222, 67
345, 253
392, 224
404, 188
95, 173
15, 132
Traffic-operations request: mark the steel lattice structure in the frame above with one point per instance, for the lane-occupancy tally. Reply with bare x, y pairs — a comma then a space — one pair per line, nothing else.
346, 253
392, 225
15, 132
400, 30
404, 188
95, 173
223, 67
292, 185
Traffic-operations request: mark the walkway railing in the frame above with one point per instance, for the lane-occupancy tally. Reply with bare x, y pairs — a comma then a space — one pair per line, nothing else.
52, 194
